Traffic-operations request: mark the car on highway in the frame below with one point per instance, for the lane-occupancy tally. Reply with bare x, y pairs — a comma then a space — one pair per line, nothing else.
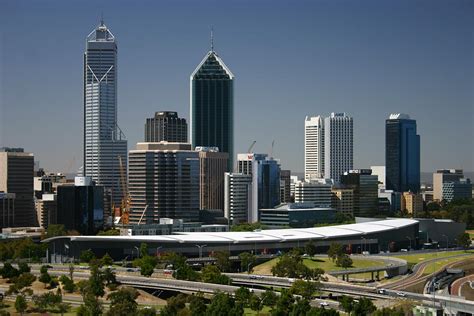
323, 304
401, 294
381, 291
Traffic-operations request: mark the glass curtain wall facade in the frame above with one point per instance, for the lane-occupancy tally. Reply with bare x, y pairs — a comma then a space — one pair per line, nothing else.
402, 154
103, 140
212, 106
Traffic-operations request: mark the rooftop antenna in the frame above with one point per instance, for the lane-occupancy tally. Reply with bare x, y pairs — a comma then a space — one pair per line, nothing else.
212, 38
102, 18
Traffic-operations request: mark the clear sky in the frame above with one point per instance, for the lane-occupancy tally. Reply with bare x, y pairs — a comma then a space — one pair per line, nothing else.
290, 59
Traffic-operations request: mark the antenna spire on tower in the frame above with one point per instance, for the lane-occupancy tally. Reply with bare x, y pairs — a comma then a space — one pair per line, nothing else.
212, 38
102, 18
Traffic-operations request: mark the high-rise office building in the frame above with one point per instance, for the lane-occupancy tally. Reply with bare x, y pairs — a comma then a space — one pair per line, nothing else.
16, 176
338, 145
166, 126
402, 154
212, 105
7, 209
365, 186
313, 192
442, 176
314, 147
163, 182
379, 171
238, 199
212, 166
343, 200
285, 186
457, 190
103, 140
80, 206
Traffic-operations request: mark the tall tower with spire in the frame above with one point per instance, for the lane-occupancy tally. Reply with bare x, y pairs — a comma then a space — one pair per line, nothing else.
104, 142
212, 105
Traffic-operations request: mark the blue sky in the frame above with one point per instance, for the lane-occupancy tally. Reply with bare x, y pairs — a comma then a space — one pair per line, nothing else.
290, 59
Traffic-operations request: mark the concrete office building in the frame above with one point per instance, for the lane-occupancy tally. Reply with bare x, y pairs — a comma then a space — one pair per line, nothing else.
395, 199
47, 183
238, 197
212, 105
246, 161
461, 189
212, 166
285, 186
365, 186
379, 171
343, 200
293, 181
313, 192
402, 154
313, 147
412, 203
104, 142
7, 209
297, 215
163, 181
16, 176
80, 206
166, 126
338, 145
46, 209
442, 176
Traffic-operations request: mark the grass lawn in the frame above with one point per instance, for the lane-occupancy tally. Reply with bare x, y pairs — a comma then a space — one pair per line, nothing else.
265, 311
419, 257
438, 265
324, 263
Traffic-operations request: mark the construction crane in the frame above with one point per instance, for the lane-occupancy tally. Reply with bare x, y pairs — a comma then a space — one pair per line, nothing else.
125, 205
251, 146
143, 213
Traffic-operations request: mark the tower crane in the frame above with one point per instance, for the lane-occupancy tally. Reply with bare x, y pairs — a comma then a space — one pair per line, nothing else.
125, 205
251, 146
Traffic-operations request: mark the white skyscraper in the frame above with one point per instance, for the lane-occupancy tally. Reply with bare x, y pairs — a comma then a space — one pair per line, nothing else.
313, 147
338, 145
328, 146
103, 140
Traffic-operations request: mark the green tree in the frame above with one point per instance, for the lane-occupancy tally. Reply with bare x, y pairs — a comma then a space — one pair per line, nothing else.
464, 240
55, 230
310, 248
335, 250
344, 261
247, 261
300, 307
247, 227
63, 307
20, 304
147, 311
143, 249
110, 232
284, 303
71, 271
106, 260
44, 276
91, 306
197, 305
363, 307
147, 264
23, 267
305, 289
212, 274
269, 298
223, 304
256, 303
46, 301
122, 302
387, 311
8, 271
347, 303
174, 305
242, 295
222, 260
109, 278
96, 281
21, 282
67, 283
86, 256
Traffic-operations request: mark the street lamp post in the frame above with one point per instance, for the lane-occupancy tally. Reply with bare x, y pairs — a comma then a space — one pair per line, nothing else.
410, 242
138, 251
200, 250
158, 248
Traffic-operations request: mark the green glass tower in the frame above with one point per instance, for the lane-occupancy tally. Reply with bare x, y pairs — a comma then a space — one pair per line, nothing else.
212, 105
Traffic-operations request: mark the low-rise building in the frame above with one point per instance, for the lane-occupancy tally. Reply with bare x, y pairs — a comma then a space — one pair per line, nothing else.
456, 190
343, 200
318, 193
412, 203
297, 215
7, 209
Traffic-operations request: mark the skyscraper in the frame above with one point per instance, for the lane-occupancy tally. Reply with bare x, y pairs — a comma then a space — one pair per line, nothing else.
365, 188
238, 197
103, 140
212, 105
338, 145
402, 154
313, 147
16, 177
212, 166
166, 126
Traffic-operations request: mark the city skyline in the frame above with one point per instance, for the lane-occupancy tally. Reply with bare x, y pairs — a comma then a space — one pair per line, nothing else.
432, 83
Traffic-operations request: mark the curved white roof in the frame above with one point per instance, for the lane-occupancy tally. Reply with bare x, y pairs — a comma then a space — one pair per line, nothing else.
271, 235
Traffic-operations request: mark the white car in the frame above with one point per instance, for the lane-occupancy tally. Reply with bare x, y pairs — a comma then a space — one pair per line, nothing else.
401, 294
323, 304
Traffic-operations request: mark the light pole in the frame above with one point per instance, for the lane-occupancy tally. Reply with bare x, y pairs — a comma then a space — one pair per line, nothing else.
410, 242
158, 248
248, 267
138, 251
200, 250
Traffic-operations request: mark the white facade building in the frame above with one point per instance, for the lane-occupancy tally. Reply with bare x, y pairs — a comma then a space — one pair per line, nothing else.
313, 192
338, 145
379, 171
313, 147
237, 197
